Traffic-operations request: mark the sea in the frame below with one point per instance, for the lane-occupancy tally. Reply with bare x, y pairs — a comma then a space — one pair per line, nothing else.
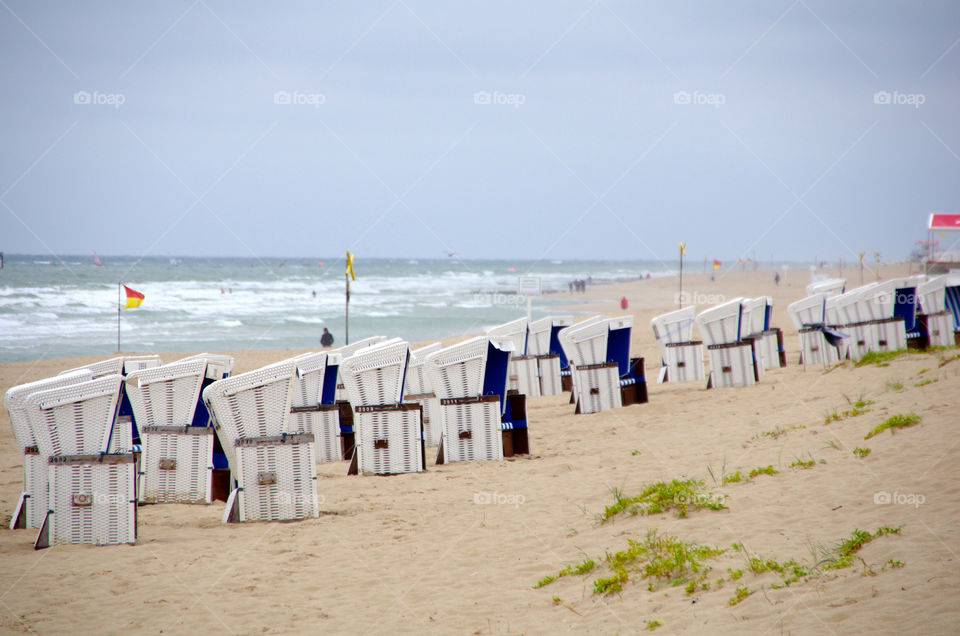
68, 306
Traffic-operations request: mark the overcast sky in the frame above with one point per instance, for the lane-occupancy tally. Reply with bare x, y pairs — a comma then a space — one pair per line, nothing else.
490, 129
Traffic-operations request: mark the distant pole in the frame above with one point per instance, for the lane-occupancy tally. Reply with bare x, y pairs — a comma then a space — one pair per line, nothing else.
346, 313
861, 268
683, 249
119, 304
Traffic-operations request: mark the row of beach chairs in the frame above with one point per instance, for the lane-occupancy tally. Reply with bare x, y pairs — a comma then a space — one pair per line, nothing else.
834, 324
100, 439
741, 343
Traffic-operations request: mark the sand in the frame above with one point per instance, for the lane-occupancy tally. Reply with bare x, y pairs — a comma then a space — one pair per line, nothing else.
418, 554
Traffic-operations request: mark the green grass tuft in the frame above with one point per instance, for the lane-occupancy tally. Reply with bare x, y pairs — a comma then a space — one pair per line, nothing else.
763, 470
894, 422
677, 495
861, 452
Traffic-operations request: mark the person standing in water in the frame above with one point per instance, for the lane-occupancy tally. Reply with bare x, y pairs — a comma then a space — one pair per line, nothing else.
327, 338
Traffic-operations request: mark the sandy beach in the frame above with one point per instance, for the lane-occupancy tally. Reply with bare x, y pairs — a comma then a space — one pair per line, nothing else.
460, 548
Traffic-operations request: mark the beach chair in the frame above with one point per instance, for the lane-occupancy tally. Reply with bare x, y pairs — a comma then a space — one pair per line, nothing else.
939, 315
177, 455
122, 365
523, 374
389, 432
604, 375
828, 287
470, 378
273, 469
808, 317
346, 351
417, 390
733, 359
768, 340
543, 342
32, 506
681, 357
91, 473
308, 412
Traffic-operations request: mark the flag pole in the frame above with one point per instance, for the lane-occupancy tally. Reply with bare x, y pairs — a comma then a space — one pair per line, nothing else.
680, 297
346, 313
119, 302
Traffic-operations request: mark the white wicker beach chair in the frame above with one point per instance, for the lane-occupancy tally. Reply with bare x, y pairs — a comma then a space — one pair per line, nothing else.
388, 432
596, 380
91, 469
177, 457
809, 318
523, 375
768, 340
417, 390
32, 505
732, 359
470, 419
307, 412
346, 351
681, 356
828, 287
543, 342
273, 469
940, 310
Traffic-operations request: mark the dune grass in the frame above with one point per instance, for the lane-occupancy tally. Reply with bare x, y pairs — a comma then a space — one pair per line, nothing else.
894, 422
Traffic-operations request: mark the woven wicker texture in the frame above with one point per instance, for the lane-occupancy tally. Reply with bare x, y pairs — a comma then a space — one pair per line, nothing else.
92, 503
732, 366
720, 324
388, 442
457, 371
278, 482
597, 389
375, 375
322, 422
176, 466
515, 331
78, 419
471, 432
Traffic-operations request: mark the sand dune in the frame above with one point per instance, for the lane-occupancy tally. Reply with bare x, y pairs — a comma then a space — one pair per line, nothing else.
425, 554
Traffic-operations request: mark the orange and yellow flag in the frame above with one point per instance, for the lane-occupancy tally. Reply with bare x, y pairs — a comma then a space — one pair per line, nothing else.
716, 264
350, 266
134, 298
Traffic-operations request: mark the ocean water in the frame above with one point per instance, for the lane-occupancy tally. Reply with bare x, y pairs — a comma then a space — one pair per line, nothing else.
68, 307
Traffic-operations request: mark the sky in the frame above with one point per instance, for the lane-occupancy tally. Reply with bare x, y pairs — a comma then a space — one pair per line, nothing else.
397, 128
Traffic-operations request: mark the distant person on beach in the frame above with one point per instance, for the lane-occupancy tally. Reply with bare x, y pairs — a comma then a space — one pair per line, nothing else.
776, 278
327, 338
623, 303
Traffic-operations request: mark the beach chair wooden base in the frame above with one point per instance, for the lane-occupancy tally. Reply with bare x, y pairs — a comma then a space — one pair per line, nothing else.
176, 464
684, 362
548, 367
732, 364
276, 478
430, 406
220, 485
815, 350
347, 435
92, 500
566, 380
471, 429
513, 426
390, 439
633, 386
597, 387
